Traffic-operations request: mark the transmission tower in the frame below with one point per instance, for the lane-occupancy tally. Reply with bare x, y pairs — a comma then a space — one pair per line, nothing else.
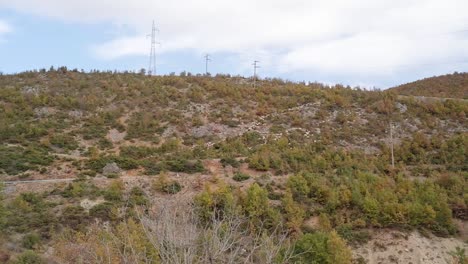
207, 59
255, 64
152, 59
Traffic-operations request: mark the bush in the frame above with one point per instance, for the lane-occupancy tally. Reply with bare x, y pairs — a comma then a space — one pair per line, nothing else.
144, 126
31, 241
105, 211
137, 197
80, 189
29, 211
114, 192
239, 176
152, 167
356, 237
16, 160
322, 248
163, 184
74, 217
64, 141
29, 257
184, 165
172, 187
104, 143
230, 161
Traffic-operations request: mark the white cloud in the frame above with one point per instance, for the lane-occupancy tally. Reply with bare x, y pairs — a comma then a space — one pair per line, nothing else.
4, 28
365, 37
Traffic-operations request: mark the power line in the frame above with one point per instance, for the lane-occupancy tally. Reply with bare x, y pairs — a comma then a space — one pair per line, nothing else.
207, 59
255, 72
391, 145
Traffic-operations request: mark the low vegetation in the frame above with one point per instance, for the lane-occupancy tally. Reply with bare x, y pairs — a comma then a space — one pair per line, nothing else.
207, 169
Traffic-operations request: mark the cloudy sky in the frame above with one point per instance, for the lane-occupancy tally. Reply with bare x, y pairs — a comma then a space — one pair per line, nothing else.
372, 43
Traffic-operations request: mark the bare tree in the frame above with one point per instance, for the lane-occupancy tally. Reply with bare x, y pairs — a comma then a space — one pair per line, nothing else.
172, 232
176, 231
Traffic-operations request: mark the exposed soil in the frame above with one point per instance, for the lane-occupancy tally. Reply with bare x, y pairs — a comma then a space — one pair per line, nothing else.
390, 246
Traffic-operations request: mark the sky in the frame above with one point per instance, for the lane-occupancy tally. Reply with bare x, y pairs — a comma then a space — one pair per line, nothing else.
367, 43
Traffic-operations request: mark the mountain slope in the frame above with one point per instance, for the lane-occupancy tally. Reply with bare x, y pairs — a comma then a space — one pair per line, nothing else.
282, 158
445, 86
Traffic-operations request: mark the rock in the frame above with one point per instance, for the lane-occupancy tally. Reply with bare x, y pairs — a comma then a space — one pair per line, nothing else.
201, 131
44, 111
401, 107
111, 168
75, 113
115, 136
34, 90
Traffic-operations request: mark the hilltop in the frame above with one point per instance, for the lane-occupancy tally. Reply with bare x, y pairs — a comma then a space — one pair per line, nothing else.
445, 86
307, 160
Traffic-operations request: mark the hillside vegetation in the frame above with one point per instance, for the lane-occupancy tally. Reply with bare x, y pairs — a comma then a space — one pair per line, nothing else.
206, 169
446, 86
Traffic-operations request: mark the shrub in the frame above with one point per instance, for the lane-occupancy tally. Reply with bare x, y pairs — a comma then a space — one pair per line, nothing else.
184, 165
16, 160
29, 257
322, 248
64, 141
239, 176
80, 189
74, 217
31, 241
104, 143
143, 125
163, 184
152, 166
172, 187
230, 161
104, 211
114, 192
137, 197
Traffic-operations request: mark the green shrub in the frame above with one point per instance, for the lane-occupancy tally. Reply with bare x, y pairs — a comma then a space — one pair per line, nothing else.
15, 160
31, 241
357, 237
152, 167
114, 192
322, 248
74, 217
104, 143
80, 189
144, 126
104, 211
29, 257
64, 141
172, 187
230, 161
184, 165
29, 211
239, 176
164, 184
137, 197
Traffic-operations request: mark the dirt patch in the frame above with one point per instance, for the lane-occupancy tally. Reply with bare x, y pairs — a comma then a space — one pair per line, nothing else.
389, 246
88, 204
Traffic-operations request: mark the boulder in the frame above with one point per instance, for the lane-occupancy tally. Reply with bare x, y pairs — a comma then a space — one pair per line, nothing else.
111, 168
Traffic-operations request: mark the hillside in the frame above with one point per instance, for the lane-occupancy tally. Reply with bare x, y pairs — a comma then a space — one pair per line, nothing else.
446, 86
293, 171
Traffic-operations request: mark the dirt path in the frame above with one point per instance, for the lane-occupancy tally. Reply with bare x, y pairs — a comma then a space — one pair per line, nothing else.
427, 98
37, 181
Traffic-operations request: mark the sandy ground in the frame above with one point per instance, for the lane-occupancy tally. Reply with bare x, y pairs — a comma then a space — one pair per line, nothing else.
390, 246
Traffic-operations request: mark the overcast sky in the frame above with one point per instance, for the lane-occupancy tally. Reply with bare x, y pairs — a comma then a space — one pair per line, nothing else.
373, 43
